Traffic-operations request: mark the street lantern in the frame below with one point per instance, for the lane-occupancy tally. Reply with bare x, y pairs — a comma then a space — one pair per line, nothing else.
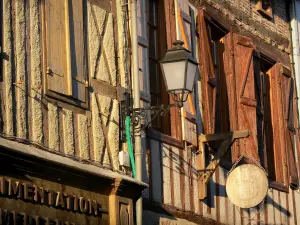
179, 71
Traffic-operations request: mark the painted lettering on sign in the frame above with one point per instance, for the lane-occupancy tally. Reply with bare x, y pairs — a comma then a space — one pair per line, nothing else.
17, 218
36, 194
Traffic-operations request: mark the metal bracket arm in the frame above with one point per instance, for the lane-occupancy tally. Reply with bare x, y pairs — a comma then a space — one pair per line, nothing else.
227, 138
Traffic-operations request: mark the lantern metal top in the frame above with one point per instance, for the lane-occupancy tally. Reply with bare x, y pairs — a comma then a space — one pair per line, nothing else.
178, 53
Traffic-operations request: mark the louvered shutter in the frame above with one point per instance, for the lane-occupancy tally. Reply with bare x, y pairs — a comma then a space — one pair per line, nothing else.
276, 134
289, 123
56, 45
186, 34
208, 78
245, 95
77, 51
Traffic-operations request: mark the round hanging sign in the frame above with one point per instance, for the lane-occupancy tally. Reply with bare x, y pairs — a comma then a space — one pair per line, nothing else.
247, 186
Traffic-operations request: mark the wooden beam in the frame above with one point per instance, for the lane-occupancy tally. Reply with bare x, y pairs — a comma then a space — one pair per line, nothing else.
222, 136
204, 174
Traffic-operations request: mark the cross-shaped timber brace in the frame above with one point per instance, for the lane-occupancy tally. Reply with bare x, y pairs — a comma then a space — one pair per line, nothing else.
204, 174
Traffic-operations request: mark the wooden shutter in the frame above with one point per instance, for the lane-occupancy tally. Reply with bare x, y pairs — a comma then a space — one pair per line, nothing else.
245, 95
185, 33
208, 77
77, 51
276, 134
65, 47
289, 122
169, 6
56, 45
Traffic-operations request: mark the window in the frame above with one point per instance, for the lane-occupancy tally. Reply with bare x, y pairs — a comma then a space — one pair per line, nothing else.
152, 47
214, 84
275, 121
265, 8
65, 51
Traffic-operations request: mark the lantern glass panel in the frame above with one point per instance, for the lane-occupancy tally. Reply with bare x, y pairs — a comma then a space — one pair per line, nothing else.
174, 73
190, 76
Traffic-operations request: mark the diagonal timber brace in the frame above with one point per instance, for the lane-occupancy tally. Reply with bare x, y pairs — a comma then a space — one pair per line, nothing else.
204, 174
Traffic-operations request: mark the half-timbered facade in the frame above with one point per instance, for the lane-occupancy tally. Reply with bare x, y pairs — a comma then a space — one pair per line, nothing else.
246, 82
63, 66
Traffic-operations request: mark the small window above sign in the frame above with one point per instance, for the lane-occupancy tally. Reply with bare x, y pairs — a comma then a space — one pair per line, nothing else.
265, 7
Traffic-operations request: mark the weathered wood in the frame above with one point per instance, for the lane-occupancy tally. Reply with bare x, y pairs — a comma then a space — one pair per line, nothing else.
68, 72
288, 97
276, 134
246, 100
222, 136
55, 48
103, 88
208, 73
205, 174
169, 6
79, 80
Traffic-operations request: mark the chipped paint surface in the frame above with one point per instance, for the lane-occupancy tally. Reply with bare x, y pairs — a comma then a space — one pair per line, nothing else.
68, 122
113, 134
8, 68
21, 76
83, 138
53, 127
36, 73
98, 135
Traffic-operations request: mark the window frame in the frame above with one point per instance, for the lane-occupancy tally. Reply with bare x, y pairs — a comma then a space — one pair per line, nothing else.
69, 99
225, 29
273, 182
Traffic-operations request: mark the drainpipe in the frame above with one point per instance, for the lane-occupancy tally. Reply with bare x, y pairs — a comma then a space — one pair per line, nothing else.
295, 59
136, 104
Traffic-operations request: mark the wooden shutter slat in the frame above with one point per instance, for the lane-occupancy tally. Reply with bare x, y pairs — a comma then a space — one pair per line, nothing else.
208, 76
276, 134
56, 45
188, 110
77, 53
289, 127
246, 101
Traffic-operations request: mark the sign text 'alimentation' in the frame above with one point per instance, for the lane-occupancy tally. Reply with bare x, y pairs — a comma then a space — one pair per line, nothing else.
32, 193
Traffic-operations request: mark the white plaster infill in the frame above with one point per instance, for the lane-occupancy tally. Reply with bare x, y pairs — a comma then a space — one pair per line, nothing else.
57, 159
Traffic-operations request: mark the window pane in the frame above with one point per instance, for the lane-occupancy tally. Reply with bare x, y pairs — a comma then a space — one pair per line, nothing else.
154, 82
142, 72
139, 19
152, 42
152, 12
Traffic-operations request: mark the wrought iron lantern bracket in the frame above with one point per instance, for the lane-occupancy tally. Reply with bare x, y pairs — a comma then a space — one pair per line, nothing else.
141, 118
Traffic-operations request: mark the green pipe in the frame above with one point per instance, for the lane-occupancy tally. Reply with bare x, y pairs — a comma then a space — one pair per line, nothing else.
130, 146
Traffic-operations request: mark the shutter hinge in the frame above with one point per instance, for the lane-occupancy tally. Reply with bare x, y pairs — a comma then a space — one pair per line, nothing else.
48, 71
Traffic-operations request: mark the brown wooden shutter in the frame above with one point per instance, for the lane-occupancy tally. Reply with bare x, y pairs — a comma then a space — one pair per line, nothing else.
207, 72
289, 122
245, 95
56, 45
276, 134
176, 129
228, 60
189, 131
77, 54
